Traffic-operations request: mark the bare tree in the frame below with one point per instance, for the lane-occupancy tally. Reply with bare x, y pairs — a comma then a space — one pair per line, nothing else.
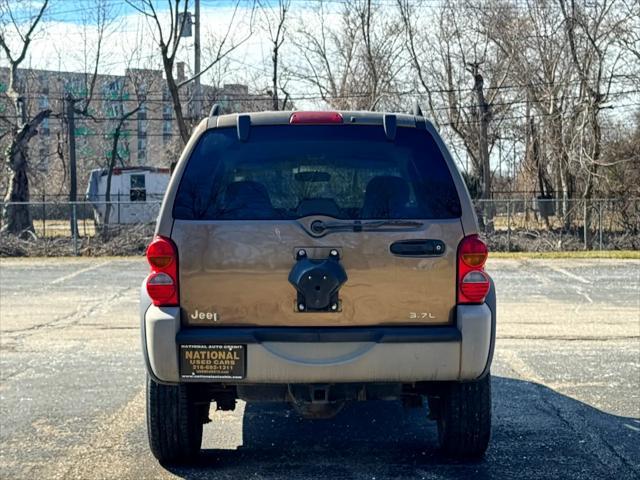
352, 57
380, 49
541, 77
630, 38
275, 18
461, 72
16, 217
168, 38
543, 57
120, 121
329, 55
99, 19
591, 31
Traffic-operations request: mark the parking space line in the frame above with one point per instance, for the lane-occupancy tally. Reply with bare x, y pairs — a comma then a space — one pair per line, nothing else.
569, 274
77, 272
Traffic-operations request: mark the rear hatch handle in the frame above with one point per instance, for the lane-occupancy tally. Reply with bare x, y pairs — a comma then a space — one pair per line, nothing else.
418, 248
319, 227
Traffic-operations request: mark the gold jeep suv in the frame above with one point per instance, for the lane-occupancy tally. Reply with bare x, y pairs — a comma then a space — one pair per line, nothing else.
316, 258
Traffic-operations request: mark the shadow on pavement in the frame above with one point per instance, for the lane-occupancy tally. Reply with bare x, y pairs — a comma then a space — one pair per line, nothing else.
537, 433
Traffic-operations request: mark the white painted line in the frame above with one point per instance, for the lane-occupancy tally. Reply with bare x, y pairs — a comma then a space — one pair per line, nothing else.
580, 292
77, 272
569, 274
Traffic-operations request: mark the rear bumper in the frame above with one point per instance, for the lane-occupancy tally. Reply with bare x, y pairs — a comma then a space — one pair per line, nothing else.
333, 355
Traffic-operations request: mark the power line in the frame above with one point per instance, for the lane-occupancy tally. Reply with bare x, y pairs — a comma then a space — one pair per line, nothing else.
365, 95
448, 124
265, 98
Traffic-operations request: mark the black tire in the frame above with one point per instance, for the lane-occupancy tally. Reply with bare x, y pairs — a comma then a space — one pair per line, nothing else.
464, 418
174, 422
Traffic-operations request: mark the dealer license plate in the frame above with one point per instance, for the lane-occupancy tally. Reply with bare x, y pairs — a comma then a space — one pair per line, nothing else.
213, 361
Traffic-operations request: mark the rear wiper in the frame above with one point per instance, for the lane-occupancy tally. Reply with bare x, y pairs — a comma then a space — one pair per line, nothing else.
318, 227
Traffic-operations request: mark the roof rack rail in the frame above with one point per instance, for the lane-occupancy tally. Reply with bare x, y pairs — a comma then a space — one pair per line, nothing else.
417, 111
215, 110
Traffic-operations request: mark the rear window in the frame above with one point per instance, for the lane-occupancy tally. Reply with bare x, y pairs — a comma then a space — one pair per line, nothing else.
289, 172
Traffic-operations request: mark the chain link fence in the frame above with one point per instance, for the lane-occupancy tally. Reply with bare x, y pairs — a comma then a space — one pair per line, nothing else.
547, 224
512, 224
120, 226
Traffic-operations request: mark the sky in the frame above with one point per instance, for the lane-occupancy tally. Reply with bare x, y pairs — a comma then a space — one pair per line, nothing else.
66, 40
60, 41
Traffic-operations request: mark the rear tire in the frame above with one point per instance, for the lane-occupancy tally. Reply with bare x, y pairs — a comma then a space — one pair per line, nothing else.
174, 422
464, 419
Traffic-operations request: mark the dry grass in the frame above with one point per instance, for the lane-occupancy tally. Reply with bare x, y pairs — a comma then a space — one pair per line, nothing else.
620, 254
62, 228
126, 241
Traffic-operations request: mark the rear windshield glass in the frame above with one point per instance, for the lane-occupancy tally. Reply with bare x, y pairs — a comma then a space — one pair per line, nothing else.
289, 172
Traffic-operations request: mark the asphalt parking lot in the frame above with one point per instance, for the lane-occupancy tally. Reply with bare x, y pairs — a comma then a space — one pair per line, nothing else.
566, 386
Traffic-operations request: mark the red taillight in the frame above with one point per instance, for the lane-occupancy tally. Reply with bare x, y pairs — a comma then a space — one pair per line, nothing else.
473, 283
162, 282
315, 118
474, 287
473, 252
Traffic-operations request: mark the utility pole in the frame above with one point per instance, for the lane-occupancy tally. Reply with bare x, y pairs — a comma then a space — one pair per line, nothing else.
483, 142
483, 111
73, 186
197, 90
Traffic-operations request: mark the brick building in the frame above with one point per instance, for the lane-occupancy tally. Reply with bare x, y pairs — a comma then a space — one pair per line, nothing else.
148, 138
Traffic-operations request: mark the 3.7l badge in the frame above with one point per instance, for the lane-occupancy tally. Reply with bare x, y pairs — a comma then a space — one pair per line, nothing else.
421, 315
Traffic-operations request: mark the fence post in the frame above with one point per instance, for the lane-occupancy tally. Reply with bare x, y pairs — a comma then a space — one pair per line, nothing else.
585, 218
75, 230
118, 209
509, 225
600, 223
44, 213
84, 220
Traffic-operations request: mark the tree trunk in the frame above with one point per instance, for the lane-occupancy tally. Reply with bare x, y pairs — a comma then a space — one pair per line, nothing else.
543, 187
564, 174
17, 218
175, 97
107, 193
591, 173
112, 164
567, 191
275, 103
483, 149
